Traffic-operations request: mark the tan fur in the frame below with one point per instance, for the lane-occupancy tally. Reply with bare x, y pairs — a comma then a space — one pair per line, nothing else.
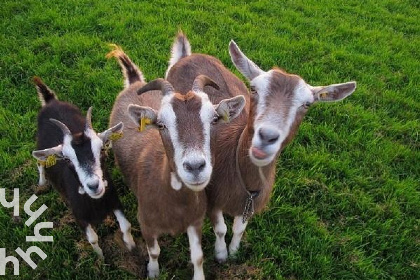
146, 161
224, 192
184, 97
116, 52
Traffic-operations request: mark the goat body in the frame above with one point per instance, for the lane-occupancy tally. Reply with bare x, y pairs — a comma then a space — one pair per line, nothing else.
246, 152
168, 169
65, 179
143, 161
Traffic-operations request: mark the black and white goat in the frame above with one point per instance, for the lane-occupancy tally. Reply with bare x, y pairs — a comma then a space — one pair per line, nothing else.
246, 152
168, 168
70, 156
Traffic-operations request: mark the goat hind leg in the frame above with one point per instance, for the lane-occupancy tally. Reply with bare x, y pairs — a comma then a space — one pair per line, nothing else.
125, 227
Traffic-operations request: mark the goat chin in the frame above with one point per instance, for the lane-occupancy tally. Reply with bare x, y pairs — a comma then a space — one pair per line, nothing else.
97, 195
261, 162
197, 187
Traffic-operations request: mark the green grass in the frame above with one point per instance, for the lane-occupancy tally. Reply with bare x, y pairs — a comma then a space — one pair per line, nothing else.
346, 204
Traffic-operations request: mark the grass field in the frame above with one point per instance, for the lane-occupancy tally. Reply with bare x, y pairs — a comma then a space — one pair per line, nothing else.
346, 204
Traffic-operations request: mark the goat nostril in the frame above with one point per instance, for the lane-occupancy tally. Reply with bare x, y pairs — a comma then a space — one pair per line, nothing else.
194, 167
93, 187
260, 133
187, 166
273, 139
268, 136
202, 165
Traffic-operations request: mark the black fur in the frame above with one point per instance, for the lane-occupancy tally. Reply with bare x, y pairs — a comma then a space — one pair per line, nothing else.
46, 93
132, 74
62, 175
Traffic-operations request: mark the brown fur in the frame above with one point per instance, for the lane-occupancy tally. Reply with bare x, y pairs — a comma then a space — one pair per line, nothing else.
189, 122
146, 161
146, 168
182, 77
185, 97
225, 192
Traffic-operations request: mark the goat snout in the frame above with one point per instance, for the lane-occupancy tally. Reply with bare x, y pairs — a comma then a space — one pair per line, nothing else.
95, 187
195, 167
268, 136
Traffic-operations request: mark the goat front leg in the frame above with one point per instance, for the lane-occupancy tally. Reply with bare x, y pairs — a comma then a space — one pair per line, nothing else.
93, 240
153, 250
238, 230
194, 238
125, 227
41, 169
220, 229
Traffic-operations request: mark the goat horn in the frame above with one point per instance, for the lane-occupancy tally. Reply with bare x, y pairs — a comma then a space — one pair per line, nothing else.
64, 128
201, 81
158, 84
89, 118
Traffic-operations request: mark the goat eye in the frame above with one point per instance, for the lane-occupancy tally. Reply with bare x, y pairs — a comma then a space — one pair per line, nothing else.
253, 90
215, 119
307, 105
160, 125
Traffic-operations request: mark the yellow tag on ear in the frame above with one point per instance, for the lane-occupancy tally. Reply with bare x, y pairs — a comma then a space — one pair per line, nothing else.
143, 123
226, 117
115, 136
50, 161
323, 95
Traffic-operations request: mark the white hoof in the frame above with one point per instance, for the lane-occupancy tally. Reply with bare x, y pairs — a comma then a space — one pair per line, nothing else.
233, 249
129, 242
152, 269
221, 256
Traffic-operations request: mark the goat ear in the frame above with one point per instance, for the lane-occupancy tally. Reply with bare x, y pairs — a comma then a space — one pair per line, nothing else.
333, 92
248, 68
42, 155
142, 115
112, 132
229, 109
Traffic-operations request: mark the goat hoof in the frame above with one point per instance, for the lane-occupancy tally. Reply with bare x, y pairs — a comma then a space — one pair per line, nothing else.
153, 273
153, 269
130, 244
221, 256
233, 251
100, 255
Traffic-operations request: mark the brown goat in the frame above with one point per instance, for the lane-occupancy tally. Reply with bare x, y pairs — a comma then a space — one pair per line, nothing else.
247, 150
168, 168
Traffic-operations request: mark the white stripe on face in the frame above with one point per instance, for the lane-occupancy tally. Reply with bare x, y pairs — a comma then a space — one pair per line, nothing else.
276, 118
87, 177
263, 120
207, 114
186, 153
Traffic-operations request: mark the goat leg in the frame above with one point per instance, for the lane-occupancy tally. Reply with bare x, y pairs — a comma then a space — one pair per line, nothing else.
220, 230
238, 230
93, 240
125, 227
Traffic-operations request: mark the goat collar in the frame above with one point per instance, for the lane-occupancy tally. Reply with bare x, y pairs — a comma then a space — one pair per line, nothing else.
249, 203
